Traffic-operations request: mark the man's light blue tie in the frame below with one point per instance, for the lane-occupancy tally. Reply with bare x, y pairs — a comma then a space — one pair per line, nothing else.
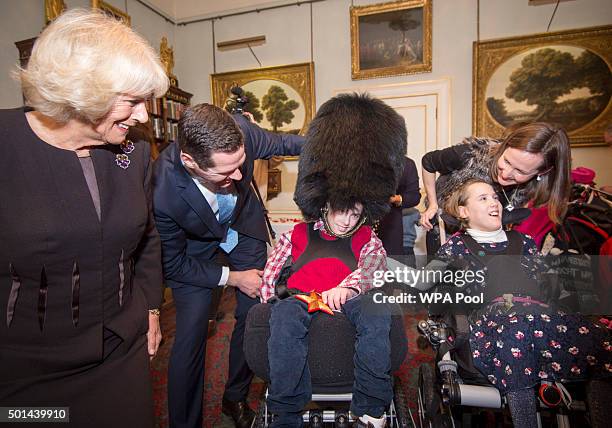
227, 202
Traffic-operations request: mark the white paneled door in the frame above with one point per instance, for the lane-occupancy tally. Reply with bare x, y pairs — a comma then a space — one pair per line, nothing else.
419, 112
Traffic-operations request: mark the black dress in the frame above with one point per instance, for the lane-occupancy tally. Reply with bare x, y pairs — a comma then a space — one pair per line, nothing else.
75, 287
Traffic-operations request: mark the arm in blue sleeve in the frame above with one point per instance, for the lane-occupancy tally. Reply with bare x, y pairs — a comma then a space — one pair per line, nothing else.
266, 143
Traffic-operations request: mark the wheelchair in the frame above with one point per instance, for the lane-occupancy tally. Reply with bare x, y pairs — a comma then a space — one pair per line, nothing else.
454, 393
331, 368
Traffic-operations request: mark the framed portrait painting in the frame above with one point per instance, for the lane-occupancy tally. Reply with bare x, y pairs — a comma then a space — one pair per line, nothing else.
281, 99
390, 39
562, 77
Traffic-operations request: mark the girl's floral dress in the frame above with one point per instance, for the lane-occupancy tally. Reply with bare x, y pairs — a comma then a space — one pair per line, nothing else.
516, 348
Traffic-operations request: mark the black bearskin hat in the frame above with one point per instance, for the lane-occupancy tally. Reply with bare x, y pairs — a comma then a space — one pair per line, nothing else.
354, 152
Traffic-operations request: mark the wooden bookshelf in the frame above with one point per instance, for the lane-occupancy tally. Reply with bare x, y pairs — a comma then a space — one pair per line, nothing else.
164, 114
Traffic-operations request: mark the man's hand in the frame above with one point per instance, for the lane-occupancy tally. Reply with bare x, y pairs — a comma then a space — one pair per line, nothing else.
154, 335
247, 281
337, 296
249, 116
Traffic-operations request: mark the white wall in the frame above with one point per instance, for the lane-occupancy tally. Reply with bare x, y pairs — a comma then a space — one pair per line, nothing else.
18, 21
146, 22
287, 32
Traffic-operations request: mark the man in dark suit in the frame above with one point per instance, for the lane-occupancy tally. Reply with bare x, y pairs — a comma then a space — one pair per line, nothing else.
204, 206
391, 229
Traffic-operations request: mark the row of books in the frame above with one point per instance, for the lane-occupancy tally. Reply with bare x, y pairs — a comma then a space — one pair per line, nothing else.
159, 130
173, 108
172, 131
158, 127
154, 106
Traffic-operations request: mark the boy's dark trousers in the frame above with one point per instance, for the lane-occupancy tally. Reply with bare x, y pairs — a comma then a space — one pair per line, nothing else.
290, 388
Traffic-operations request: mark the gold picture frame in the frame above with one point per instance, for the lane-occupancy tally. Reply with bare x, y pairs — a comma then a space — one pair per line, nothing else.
391, 39
512, 82
295, 81
112, 11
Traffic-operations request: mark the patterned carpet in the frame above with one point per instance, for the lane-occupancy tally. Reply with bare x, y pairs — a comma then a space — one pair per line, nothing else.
217, 359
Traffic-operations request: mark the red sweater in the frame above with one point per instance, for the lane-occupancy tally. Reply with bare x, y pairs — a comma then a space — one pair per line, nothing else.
322, 274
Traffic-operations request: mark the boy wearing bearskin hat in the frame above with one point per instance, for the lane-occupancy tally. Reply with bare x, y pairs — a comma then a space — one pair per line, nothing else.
349, 167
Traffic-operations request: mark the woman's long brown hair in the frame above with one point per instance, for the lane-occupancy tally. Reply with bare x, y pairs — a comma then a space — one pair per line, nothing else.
552, 143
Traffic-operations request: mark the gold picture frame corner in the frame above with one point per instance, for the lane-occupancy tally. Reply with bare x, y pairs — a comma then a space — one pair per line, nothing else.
112, 11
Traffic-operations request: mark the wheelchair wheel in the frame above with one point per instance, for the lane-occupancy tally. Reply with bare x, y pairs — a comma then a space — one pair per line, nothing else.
400, 402
425, 395
431, 413
260, 419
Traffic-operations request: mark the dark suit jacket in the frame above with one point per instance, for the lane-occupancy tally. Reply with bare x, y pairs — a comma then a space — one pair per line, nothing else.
65, 275
189, 231
391, 228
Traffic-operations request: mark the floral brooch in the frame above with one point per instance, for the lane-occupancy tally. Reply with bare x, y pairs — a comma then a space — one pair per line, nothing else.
122, 159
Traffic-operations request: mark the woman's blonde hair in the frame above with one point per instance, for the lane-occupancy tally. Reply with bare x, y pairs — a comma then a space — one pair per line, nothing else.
83, 61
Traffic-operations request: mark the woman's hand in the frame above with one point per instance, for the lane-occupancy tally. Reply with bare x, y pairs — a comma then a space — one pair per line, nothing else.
427, 215
429, 182
154, 335
337, 296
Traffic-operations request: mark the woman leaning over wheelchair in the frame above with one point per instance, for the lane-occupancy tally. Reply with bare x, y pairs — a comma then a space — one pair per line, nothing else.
516, 340
531, 162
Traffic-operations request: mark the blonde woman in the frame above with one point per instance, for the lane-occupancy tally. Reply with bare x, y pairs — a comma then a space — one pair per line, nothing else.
80, 274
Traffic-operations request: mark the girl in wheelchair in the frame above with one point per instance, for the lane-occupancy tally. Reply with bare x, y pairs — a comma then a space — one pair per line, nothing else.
516, 340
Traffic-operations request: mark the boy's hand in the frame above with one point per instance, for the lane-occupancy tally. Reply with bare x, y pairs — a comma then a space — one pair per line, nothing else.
336, 297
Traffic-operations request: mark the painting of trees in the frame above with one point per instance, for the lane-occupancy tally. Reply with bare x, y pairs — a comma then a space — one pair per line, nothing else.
278, 107
561, 77
543, 77
253, 106
570, 86
279, 98
497, 108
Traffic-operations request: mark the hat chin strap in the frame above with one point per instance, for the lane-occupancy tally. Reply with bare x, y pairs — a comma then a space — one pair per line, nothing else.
329, 230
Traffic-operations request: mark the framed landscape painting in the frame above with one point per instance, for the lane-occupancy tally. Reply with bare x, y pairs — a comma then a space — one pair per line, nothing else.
563, 78
281, 99
390, 39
